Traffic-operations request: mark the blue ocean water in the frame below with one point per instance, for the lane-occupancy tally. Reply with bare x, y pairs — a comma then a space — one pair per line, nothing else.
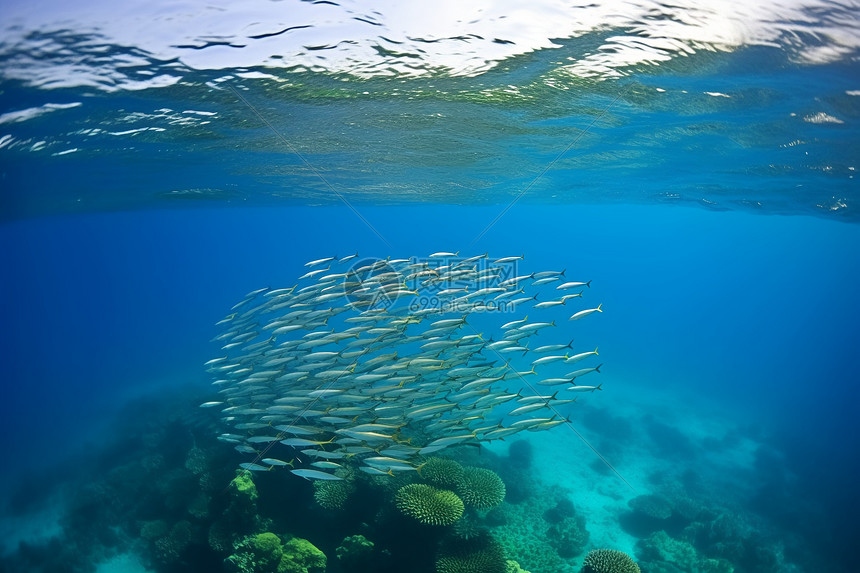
705, 184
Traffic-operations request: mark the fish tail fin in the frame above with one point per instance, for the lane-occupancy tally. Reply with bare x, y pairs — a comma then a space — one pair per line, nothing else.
562, 272
597, 368
599, 386
570, 344
588, 284
598, 307
418, 470
595, 351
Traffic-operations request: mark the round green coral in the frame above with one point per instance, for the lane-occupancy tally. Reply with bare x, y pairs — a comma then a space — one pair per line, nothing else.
331, 494
429, 505
301, 556
479, 555
355, 550
441, 471
244, 484
608, 561
481, 488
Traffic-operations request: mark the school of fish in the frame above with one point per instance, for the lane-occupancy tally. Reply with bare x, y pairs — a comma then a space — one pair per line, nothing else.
377, 364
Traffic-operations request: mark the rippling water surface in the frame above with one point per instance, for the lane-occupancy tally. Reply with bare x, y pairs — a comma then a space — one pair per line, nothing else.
727, 105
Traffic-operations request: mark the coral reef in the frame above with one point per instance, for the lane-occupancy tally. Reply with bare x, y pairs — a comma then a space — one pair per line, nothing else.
651, 506
301, 556
481, 488
442, 472
169, 549
259, 553
469, 526
429, 505
512, 566
608, 561
243, 483
332, 494
661, 553
196, 461
522, 531
266, 553
568, 536
355, 551
481, 554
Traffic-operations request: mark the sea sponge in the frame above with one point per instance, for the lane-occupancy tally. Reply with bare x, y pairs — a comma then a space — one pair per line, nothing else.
478, 555
429, 505
608, 561
481, 488
331, 494
441, 471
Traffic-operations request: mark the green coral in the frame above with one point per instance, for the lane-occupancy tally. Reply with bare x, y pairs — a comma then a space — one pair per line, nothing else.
243, 483
608, 561
512, 566
481, 488
332, 494
429, 505
469, 525
259, 553
301, 556
659, 550
355, 550
523, 533
479, 555
441, 471
265, 553
169, 548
